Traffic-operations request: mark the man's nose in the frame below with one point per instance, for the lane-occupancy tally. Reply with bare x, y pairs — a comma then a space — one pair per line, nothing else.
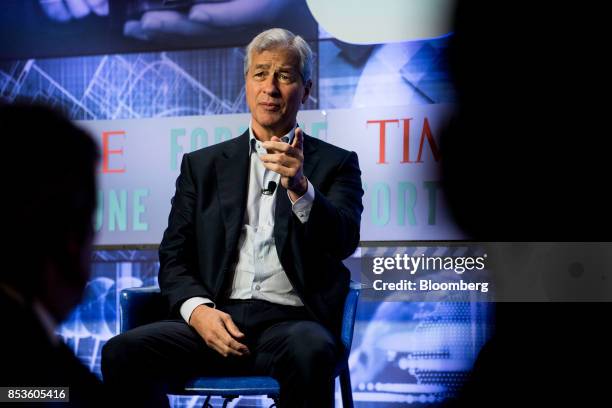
270, 85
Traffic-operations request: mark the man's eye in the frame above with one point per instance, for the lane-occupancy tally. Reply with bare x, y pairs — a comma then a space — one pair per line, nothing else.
284, 77
258, 75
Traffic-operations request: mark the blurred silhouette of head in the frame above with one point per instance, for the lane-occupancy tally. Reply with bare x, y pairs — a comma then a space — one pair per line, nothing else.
49, 194
520, 158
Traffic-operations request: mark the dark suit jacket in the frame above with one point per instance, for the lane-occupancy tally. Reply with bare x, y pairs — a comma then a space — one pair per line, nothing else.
199, 248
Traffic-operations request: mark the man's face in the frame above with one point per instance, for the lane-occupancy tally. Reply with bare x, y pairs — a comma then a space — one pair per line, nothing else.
275, 91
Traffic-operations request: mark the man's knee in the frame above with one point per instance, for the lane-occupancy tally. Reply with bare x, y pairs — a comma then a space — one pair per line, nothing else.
312, 347
126, 374
113, 353
119, 354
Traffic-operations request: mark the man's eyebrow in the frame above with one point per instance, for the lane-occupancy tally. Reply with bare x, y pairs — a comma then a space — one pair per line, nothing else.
285, 68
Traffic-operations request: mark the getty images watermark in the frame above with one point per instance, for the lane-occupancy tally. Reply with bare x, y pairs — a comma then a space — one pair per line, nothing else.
427, 277
489, 271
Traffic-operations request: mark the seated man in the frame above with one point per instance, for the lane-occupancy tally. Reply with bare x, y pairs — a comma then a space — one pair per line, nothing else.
251, 260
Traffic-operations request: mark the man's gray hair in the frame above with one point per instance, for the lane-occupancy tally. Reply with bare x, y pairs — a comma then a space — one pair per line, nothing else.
281, 38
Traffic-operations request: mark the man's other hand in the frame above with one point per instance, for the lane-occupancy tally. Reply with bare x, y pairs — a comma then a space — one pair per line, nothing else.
218, 331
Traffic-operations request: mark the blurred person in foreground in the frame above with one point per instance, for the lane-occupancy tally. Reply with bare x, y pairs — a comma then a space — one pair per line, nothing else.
49, 204
522, 164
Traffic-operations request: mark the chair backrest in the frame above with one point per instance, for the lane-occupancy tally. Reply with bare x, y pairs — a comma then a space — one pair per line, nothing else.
138, 306
348, 317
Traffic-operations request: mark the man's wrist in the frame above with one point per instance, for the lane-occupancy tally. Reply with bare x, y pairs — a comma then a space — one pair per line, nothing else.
190, 304
198, 309
301, 188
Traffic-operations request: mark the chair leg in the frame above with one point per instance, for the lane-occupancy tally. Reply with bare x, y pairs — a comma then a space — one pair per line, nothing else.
345, 389
207, 402
228, 399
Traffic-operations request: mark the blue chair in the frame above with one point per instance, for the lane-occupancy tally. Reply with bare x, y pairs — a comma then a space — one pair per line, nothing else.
140, 306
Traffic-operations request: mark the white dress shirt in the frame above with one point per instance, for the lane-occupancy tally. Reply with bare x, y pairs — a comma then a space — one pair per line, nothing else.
258, 272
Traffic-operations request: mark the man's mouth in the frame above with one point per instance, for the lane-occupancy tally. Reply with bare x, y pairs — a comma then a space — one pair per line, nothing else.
270, 106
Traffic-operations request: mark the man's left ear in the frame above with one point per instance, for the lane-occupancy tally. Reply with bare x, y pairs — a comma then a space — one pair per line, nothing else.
307, 87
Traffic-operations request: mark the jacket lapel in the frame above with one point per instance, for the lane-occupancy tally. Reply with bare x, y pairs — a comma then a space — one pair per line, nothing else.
310, 157
232, 170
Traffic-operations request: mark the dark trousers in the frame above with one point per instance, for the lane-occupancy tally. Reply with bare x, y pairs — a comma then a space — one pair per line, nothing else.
145, 363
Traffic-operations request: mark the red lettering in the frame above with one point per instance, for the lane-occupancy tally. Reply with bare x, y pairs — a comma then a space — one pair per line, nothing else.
426, 133
406, 147
106, 152
383, 135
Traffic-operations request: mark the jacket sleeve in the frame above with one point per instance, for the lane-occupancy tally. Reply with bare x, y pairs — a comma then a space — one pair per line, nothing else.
335, 217
177, 252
